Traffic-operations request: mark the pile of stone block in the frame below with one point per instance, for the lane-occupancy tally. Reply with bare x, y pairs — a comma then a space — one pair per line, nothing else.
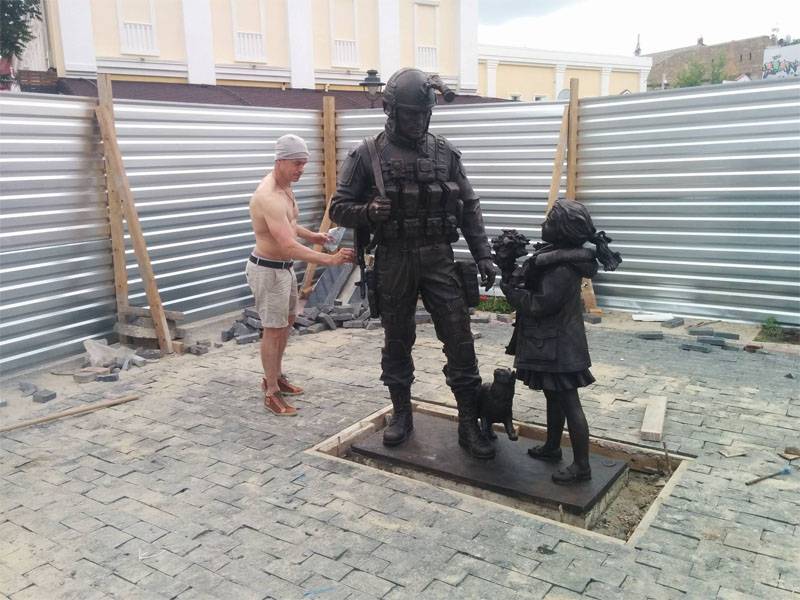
245, 330
315, 319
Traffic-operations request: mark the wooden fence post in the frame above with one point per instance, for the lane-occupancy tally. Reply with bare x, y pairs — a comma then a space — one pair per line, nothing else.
117, 181
329, 170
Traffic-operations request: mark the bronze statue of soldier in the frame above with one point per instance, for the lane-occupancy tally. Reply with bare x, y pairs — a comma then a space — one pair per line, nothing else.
406, 191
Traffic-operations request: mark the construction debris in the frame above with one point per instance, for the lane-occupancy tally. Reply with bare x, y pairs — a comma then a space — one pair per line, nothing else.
650, 335
503, 318
672, 323
784, 471
700, 331
726, 335
590, 318
652, 317
27, 388
711, 340
42, 396
653, 421
695, 348
752, 348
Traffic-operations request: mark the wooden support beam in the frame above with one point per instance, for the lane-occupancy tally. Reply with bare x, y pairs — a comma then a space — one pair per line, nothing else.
572, 144
105, 97
118, 180
558, 161
329, 170
587, 289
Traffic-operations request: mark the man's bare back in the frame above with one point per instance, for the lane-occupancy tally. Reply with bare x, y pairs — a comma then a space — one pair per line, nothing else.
267, 200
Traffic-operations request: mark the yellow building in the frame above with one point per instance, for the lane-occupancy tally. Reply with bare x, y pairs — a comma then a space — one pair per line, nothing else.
292, 43
533, 75
311, 44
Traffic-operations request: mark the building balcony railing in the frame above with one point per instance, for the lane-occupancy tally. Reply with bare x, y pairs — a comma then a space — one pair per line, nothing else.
427, 58
249, 47
138, 38
345, 53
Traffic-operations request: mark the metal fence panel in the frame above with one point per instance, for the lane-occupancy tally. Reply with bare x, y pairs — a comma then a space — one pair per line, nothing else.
699, 188
192, 170
56, 283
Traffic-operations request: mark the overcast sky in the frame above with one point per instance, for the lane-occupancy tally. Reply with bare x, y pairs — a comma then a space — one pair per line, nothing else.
611, 26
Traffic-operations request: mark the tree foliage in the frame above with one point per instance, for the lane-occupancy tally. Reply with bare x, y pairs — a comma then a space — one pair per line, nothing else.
717, 69
15, 25
693, 74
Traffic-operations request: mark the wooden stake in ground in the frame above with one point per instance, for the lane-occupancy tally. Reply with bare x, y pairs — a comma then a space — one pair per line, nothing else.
118, 181
329, 169
587, 289
114, 211
72, 412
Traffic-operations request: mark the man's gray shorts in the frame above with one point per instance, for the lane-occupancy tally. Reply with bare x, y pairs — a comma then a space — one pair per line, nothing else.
275, 292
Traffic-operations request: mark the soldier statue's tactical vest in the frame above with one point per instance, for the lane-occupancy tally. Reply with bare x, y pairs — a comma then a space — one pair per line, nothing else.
426, 207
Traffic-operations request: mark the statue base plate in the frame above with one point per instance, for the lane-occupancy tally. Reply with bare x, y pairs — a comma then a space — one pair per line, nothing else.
433, 448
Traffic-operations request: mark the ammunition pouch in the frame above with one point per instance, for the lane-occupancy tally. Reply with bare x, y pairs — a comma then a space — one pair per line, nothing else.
468, 272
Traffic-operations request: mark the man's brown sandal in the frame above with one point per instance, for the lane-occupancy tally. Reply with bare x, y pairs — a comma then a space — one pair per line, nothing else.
275, 404
288, 389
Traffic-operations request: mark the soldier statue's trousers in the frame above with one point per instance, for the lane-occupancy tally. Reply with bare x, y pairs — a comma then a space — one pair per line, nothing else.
403, 274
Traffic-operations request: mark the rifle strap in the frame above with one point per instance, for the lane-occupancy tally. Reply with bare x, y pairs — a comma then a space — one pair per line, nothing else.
377, 174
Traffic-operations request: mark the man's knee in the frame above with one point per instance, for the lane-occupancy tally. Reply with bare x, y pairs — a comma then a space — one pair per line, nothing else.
270, 334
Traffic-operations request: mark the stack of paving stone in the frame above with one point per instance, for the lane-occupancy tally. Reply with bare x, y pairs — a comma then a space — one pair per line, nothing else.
707, 337
245, 330
315, 319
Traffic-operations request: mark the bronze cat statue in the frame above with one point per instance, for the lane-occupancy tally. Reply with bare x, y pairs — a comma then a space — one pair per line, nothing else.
495, 402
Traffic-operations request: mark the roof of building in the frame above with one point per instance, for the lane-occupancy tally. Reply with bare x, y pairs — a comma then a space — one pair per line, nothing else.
233, 94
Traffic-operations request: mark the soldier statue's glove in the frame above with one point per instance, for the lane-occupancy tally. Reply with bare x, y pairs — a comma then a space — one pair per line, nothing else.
379, 209
487, 271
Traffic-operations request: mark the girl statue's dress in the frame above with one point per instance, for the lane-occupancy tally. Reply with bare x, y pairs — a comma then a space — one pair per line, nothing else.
549, 342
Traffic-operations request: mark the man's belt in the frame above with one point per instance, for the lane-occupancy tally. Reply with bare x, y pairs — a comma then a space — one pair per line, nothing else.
272, 264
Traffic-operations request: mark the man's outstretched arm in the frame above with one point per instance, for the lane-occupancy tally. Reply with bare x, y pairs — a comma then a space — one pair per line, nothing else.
285, 235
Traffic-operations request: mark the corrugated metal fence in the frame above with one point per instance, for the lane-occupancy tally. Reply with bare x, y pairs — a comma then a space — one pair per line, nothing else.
56, 284
192, 169
699, 188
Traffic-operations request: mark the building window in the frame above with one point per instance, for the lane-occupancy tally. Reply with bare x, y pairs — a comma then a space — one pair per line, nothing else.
137, 27
344, 37
248, 18
426, 35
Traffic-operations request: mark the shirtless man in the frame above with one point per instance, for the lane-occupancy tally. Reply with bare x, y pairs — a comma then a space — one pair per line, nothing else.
273, 211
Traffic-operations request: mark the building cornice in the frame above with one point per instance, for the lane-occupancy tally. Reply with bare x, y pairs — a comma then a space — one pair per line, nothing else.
123, 66
519, 55
255, 73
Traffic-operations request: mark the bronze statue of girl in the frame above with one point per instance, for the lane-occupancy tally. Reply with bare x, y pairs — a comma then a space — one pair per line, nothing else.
549, 342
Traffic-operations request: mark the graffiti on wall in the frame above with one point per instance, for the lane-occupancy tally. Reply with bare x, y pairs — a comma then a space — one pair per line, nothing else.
781, 61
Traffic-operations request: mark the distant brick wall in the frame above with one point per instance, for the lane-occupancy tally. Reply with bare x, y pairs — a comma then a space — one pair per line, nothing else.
741, 57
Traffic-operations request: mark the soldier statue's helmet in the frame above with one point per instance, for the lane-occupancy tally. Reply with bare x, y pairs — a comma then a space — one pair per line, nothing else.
409, 89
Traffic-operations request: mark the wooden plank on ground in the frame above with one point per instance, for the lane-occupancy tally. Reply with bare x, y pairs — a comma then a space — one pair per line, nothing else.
329, 164
653, 421
143, 311
105, 97
71, 412
119, 181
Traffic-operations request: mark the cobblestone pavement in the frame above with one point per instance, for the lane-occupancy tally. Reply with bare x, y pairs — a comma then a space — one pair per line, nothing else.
193, 491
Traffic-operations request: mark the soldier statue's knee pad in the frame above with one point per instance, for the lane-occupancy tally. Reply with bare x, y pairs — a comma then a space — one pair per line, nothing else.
461, 354
396, 350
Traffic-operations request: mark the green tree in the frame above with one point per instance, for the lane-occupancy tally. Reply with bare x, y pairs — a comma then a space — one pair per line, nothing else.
718, 69
691, 75
15, 25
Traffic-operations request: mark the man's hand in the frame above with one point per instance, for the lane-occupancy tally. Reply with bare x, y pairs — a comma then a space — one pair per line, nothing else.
321, 238
379, 209
488, 272
344, 255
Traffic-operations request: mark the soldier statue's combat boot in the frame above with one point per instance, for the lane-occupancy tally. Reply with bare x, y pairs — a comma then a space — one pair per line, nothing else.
469, 434
401, 424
